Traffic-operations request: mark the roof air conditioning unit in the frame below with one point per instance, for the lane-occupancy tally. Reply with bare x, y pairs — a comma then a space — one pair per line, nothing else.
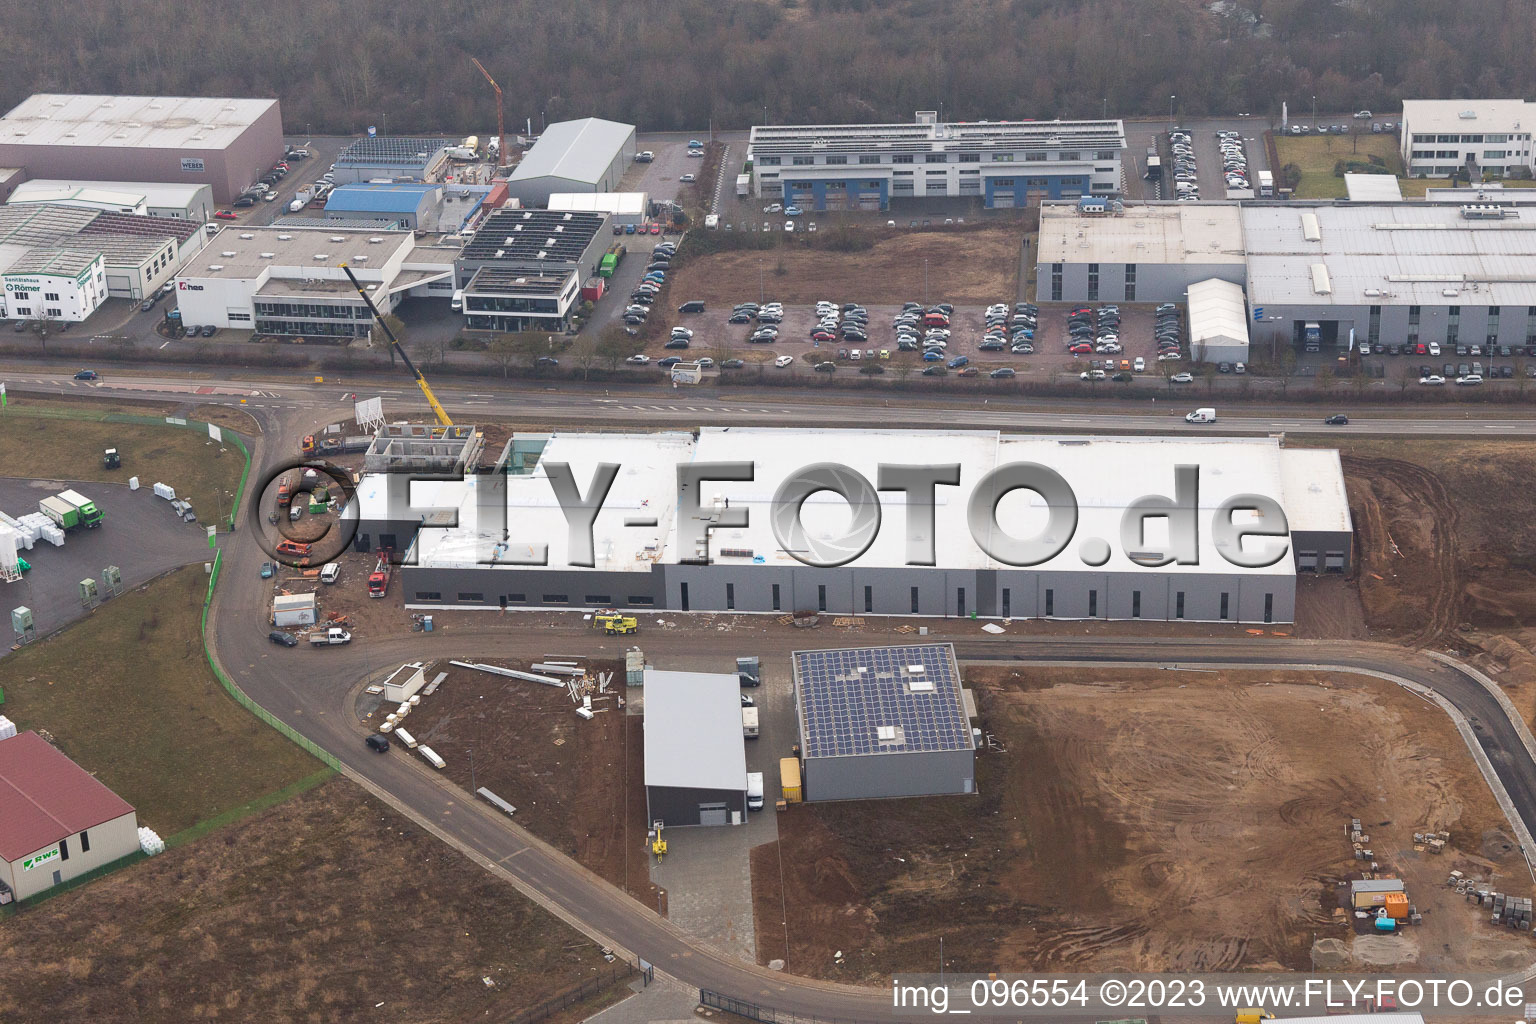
321, 256
375, 240
228, 254
338, 238
285, 238
215, 266
246, 235
268, 255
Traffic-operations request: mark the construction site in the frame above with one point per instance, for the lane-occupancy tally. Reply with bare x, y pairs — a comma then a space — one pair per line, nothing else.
1097, 842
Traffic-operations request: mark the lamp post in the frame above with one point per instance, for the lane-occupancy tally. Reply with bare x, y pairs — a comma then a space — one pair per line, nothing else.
1314, 111
1170, 110
472, 786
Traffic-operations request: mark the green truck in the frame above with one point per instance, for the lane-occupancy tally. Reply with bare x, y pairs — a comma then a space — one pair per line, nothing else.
610, 261
71, 509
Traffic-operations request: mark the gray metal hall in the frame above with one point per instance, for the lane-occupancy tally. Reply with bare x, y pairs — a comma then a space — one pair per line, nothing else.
884, 722
695, 753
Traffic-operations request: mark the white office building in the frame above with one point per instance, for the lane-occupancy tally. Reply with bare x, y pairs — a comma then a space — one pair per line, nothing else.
1002, 163
1441, 137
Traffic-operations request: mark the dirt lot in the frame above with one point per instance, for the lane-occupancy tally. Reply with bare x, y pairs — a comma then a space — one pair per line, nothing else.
1097, 843
967, 265
329, 907
576, 784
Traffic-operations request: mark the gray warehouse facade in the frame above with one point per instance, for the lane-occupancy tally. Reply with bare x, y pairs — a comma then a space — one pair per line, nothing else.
223, 143
589, 155
883, 722
1148, 253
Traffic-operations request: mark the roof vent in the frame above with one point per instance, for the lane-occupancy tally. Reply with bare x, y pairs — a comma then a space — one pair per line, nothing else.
320, 257
215, 266
338, 238
246, 235
1321, 284
134, 124
228, 254
360, 259
920, 685
1468, 115
285, 238
885, 733
1311, 230
375, 240
268, 255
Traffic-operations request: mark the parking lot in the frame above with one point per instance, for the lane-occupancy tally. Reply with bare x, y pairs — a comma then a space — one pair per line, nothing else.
1142, 135
139, 535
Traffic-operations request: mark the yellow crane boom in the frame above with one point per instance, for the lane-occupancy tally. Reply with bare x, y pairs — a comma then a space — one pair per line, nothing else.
421, 382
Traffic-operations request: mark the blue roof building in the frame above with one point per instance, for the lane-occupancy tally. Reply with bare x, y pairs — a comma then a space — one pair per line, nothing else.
404, 205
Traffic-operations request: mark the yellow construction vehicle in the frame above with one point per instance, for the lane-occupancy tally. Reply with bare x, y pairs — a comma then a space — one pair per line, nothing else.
613, 622
658, 844
421, 382
1253, 1016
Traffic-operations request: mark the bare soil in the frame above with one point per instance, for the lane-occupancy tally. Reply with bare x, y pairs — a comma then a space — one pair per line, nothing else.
329, 907
1098, 843
962, 265
578, 785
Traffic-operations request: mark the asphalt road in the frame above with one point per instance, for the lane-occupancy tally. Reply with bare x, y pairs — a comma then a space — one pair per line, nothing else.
316, 703
571, 403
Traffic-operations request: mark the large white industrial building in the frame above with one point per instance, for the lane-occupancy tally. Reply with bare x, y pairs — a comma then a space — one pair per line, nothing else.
144, 198
589, 155
1442, 137
1002, 163
223, 143
1149, 253
731, 543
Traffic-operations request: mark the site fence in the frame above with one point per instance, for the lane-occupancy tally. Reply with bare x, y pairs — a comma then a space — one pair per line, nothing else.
239, 695
767, 1014
598, 983
228, 437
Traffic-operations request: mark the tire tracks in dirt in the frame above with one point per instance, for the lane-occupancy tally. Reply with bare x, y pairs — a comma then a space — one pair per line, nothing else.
1441, 577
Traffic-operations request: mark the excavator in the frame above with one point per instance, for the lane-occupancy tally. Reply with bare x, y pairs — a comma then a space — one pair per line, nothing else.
421, 381
611, 622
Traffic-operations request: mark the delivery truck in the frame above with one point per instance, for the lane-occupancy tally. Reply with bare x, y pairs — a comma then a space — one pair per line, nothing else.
743, 184
70, 509
754, 791
749, 723
331, 636
1206, 415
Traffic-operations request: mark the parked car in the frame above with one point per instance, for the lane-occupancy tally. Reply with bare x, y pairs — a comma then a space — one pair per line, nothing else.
283, 639
687, 179
783, 361
266, 570
1003, 372
225, 214
1470, 379
1182, 378
87, 375
1337, 420
638, 359
1433, 380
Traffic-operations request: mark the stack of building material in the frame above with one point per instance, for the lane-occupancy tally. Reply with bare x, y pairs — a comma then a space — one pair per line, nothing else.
27, 528
10, 561
7, 728
39, 525
165, 491
149, 842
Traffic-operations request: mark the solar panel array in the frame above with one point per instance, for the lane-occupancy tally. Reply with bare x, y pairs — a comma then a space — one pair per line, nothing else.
391, 149
843, 709
548, 235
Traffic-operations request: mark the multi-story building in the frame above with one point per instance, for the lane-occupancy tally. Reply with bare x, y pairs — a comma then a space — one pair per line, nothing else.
1002, 163
1442, 137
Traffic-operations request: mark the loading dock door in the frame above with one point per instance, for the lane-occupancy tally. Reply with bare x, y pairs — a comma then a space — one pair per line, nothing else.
1306, 561
712, 814
1333, 561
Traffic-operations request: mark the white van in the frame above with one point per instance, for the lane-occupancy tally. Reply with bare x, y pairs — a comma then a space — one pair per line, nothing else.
754, 791
712, 221
457, 302
1201, 416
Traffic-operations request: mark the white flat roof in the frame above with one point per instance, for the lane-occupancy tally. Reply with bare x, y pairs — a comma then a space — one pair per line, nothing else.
1106, 474
244, 252
580, 150
130, 122
693, 737
1448, 116
1168, 233
1406, 253
154, 194
628, 204
1372, 188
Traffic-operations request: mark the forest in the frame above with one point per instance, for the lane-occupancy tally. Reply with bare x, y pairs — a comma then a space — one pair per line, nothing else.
341, 65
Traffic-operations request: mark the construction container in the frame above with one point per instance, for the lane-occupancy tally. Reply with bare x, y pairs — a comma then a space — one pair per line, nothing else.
634, 667
789, 779
1372, 892
1396, 904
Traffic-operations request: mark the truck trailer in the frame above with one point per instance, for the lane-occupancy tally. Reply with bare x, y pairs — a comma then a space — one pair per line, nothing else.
70, 509
743, 184
749, 723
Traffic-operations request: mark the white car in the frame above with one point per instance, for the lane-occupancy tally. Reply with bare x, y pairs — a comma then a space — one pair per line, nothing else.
773, 208
1433, 379
1471, 378
639, 359
1434, 348
331, 573
789, 225
686, 179
1092, 375
1140, 365
682, 332
1183, 378
783, 361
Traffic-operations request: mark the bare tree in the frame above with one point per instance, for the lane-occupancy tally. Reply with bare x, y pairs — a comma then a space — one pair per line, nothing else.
504, 352
1326, 379
613, 345
44, 326
583, 352
394, 323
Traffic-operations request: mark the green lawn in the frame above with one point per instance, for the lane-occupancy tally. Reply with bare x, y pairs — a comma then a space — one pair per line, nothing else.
128, 695
1316, 156
34, 443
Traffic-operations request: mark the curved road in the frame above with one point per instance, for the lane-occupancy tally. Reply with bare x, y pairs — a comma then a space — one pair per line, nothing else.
282, 680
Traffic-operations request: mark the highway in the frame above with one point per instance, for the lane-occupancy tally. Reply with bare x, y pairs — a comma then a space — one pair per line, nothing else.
649, 405
318, 704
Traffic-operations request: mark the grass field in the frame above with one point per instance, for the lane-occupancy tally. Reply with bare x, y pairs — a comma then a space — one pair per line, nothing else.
329, 907
1316, 156
128, 695
36, 443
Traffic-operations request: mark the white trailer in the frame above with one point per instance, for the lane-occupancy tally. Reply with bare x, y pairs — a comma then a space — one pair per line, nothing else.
743, 184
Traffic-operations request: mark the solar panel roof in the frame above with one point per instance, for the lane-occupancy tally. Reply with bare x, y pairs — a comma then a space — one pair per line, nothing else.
880, 700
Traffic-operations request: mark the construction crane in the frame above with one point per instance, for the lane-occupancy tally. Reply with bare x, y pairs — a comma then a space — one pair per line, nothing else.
421, 382
501, 125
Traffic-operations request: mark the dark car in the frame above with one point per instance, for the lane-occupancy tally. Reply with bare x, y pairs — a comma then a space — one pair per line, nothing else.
676, 343
378, 744
826, 367
742, 317
86, 375
936, 370
544, 361
733, 364
208, 330
1337, 420
668, 362
284, 639
692, 306
244, 201
1002, 372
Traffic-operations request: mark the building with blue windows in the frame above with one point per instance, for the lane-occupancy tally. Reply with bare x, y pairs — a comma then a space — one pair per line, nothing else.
1002, 163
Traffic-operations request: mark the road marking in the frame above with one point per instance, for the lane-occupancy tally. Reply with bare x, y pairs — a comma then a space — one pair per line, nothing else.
164, 343
1499, 426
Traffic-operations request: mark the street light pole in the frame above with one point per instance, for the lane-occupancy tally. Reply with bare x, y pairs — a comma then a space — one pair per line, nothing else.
1314, 111
472, 786
1170, 110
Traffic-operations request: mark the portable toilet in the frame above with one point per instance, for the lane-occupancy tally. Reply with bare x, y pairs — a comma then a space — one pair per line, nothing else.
1385, 924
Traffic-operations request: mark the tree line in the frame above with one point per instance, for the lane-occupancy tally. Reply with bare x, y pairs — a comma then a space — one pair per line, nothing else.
340, 66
